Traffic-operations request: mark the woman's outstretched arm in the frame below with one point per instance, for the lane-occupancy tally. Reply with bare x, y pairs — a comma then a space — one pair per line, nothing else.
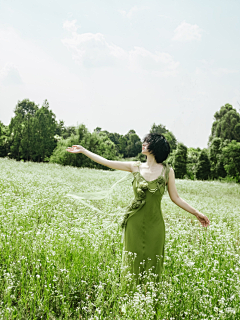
119, 165
183, 204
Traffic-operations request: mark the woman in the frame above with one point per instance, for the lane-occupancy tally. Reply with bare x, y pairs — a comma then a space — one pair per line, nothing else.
144, 237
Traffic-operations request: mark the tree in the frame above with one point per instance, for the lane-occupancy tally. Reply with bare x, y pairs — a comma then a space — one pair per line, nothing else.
134, 145
123, 141
203, 167
114, 137
97, 130
128, 145
44, 130
226, 124
25, 108
231, 159
32, 131
94, 142
161, 129
192, 159
68, 131
180, 161
59, 128
171, 140
15, 137
27, 140
216, 159
3, 140
21, 130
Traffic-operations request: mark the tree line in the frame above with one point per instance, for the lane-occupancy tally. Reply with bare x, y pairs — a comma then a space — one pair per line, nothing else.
34, 134
221, 160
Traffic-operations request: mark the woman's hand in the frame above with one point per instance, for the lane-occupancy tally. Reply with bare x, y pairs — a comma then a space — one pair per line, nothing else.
203, 219
75, 149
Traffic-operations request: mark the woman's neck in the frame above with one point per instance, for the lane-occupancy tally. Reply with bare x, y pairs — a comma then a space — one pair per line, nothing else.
151, 161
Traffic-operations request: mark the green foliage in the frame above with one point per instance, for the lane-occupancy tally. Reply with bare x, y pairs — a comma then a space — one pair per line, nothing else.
180, 161
21, 129
4, 146
128, 145
64, 131
231, 159
32, 132
170, 158
141, 157
226, 124
99, 144
25, 108
216, 159
161, 129
203, 167
171, 140
192, 159
44, 130
134, 144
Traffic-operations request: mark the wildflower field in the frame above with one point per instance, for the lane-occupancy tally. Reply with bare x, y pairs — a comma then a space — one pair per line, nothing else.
61, 260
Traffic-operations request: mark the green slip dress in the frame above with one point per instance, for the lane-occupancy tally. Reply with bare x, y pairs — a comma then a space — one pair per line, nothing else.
144, 228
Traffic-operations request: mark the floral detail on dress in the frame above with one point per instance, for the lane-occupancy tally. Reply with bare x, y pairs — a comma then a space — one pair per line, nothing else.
142, 187
137, 163
137, 202
161, 182
141, 193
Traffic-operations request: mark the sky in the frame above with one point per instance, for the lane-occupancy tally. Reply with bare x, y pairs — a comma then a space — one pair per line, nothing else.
122, 65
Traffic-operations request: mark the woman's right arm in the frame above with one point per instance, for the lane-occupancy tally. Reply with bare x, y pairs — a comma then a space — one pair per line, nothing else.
183, 204
119, 165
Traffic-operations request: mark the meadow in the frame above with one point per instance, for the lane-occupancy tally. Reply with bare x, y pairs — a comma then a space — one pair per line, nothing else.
61, 260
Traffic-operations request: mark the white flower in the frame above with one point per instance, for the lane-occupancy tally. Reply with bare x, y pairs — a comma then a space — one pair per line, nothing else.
123, 309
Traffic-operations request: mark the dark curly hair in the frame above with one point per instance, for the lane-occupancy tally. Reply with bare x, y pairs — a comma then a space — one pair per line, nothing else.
158, 146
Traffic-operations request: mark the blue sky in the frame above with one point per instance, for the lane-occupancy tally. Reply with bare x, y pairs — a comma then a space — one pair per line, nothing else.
123, 65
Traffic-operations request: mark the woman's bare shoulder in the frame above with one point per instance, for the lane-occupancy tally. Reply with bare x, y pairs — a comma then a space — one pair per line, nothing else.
136, 165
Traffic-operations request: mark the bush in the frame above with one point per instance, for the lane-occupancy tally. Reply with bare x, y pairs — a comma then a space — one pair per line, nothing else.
99, 144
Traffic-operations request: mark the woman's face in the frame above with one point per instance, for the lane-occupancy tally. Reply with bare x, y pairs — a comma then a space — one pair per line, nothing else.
144, 147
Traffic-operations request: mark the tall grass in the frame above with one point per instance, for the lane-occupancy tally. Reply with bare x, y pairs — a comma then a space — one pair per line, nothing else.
61, 260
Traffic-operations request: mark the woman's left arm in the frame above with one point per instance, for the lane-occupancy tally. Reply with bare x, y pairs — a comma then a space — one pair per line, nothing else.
183, 204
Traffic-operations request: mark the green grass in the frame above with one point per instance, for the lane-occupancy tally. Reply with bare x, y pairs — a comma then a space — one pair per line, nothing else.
61, 260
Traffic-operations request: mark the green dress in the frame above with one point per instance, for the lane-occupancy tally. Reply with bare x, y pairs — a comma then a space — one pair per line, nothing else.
144, 236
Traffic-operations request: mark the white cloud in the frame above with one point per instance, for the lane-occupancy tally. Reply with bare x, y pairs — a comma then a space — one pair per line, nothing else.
93, 51
71, 26
187, 32
156, 63
132, 11
9, 75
